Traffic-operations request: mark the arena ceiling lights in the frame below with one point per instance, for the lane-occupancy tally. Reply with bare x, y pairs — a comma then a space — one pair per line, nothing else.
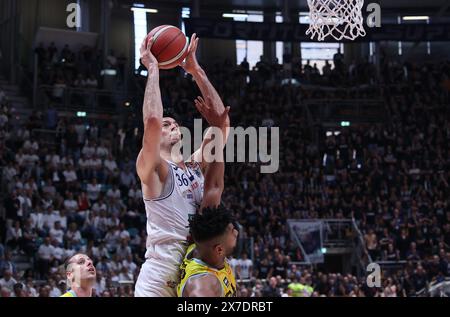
141, 8
415, 18
235, 15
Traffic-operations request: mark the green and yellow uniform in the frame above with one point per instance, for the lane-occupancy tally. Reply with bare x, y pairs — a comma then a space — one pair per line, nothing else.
300, 290
69, 294
194, 267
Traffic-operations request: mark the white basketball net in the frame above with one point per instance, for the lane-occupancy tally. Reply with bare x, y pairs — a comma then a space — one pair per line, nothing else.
340, 19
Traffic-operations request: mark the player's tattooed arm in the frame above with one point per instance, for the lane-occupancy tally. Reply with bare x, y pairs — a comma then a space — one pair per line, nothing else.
148, 164
152, 106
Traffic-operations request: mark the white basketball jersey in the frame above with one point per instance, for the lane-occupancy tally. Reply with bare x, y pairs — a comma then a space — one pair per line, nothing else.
168, 215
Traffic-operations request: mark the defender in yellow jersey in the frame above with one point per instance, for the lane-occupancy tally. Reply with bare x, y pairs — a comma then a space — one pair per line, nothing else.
193, 267
81, 274
205, 271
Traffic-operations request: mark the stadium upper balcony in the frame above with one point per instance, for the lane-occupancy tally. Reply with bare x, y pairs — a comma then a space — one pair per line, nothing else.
67, 99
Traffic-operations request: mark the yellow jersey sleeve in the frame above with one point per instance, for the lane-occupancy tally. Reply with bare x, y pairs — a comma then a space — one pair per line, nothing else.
193, 267
69, 294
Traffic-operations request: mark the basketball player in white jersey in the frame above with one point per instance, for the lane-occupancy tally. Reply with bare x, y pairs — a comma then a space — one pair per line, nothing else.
172, 189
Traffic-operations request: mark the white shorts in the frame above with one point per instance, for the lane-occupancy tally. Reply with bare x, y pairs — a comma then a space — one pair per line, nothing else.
159, 276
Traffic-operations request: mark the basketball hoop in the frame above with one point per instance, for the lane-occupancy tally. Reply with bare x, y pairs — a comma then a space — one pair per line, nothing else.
340, 19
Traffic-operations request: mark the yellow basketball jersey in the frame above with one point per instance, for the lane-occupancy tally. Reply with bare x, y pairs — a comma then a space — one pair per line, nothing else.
69, 294
192, 266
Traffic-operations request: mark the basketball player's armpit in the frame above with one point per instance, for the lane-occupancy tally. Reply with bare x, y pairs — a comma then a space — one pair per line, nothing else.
152, 176
203, 286
148, 163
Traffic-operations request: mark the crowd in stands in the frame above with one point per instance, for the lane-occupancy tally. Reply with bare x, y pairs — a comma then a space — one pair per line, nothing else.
80, 68
82, 194
68, 68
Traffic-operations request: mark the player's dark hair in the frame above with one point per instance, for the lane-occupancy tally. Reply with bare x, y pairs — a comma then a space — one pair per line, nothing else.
68, 263
169, 112
210, 224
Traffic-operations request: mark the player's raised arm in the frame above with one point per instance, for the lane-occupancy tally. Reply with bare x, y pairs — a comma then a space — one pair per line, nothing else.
206, 285
208, 91
214, 171
148, 164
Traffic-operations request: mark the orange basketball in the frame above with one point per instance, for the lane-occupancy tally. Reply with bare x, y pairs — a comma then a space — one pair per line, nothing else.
170, 46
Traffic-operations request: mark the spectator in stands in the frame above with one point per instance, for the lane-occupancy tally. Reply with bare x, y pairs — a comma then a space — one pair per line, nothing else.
14, 236
99, 205
45, 257
129, 263
114, 192
73, 236
272, 290
7, 281
5, 292
103, 266
390, 178
134, 193
419, 279
234, 264
54, 290
44, 291
127, 179
18, 291
57, 233
93, 190
58, 252
110, 165
70, 177
89, 149
7, 264
125, 274
245, 267
413, 254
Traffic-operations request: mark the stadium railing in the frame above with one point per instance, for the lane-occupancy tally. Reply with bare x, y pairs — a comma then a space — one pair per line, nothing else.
364, 110
361, 253
81, 99
341, 237
391, 264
